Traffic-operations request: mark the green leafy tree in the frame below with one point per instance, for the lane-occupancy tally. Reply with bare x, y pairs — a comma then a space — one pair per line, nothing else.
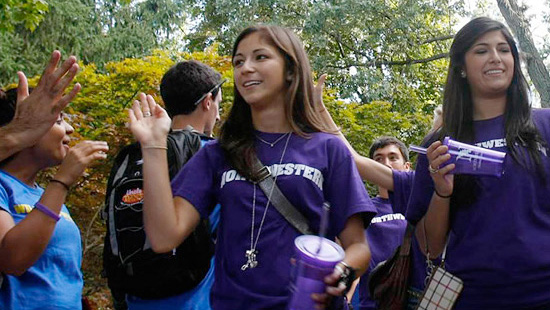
393, 51
96, 31
28, 13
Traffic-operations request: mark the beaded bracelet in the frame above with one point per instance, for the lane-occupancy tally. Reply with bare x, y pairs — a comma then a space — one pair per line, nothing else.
47, 211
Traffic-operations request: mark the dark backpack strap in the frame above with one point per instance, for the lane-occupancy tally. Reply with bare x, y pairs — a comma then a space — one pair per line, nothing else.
278, 199
182, 145
111, 205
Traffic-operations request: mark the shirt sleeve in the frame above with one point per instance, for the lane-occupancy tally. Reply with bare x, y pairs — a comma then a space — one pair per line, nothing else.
402, 187
422, 191
4, 199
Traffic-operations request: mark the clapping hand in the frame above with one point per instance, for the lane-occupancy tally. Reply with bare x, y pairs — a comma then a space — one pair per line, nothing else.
318, 94
36, 113
149, 122
320, 107
78, 158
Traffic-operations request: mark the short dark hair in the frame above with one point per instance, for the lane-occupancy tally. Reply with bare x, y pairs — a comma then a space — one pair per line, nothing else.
387, 140
185, 83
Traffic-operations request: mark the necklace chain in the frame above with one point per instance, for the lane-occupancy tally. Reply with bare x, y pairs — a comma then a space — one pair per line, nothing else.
250, 254
272, 144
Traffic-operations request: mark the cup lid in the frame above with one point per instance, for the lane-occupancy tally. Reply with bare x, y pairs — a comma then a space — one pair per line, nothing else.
308, 245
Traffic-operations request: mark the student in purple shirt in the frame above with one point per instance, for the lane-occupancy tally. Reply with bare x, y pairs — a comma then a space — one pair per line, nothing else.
387, 229
497, 228
389, 168
273, 117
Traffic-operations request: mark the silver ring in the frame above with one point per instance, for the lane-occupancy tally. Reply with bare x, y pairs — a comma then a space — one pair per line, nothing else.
432, 170
146, 114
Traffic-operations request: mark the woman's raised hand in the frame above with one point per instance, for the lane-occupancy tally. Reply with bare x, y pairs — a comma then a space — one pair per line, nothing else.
318, 93
149, 122
78, 158
320, 107
437, 155
36, 113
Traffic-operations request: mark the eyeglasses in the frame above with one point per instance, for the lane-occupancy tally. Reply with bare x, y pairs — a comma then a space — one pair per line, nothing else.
208, 92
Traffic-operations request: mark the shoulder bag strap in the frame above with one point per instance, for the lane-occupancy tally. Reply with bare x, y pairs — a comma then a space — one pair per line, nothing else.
407, 240
443, 254
278, 199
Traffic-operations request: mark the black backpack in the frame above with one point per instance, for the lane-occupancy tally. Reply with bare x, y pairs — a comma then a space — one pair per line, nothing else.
129, 263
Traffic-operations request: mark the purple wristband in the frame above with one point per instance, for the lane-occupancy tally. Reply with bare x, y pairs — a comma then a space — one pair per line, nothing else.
47, 211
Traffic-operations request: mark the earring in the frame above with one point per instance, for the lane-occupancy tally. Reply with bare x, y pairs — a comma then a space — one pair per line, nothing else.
463, 73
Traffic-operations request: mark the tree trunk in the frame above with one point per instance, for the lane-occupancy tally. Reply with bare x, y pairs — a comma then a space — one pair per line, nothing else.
535, 66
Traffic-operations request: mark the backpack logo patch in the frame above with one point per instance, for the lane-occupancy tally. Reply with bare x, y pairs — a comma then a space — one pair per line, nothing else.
133, 196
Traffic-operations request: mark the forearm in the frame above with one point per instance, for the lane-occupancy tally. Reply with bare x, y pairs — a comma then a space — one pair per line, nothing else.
355, 244
374, 172
358, 256
25, 242
332, 126
10, 142
159, 214
436, 223
369, 169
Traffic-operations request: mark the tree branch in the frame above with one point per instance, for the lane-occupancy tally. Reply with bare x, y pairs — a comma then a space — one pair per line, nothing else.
538, 72
375, 63
440, 38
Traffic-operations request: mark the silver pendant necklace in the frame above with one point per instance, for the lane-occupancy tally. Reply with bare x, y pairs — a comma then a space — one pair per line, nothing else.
251, 254
272, 144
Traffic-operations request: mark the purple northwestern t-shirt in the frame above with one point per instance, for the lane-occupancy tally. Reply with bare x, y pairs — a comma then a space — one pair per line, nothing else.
402, 187
402, 183
384, 235
386, 230
313, 170
500, 245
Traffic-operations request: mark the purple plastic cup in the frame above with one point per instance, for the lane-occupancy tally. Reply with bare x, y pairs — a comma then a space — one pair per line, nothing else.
314, 261
475, 160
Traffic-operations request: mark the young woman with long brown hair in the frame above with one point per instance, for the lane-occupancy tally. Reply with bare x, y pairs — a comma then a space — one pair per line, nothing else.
272, 117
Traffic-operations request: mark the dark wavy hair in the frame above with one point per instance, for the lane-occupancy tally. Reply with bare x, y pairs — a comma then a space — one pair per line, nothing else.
458, 108
237, 133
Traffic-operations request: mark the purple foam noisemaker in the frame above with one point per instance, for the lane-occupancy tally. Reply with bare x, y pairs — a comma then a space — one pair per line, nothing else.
470, 159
